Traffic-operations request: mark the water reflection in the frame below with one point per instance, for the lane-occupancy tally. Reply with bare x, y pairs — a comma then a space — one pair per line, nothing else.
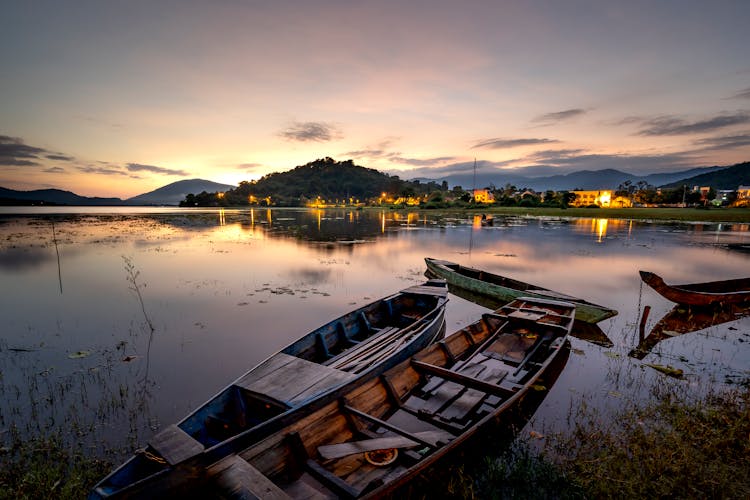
234, 286
684, 319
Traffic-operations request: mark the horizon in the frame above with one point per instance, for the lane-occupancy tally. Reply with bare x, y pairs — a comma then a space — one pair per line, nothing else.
118, 100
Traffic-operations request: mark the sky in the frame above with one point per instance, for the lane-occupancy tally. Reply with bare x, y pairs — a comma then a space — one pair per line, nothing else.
119, 98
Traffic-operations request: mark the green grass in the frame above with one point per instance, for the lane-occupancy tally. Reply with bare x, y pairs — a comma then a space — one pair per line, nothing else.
670, 449
661, 214
45, 468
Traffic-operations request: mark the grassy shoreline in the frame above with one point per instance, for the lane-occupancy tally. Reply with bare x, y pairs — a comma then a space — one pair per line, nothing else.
717, 215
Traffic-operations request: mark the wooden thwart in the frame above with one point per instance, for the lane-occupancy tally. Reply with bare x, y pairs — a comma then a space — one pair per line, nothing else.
289, 378
239, 480
343, 449
175, 445
460, 378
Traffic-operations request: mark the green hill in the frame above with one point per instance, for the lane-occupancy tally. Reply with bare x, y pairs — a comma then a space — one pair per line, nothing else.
726, 178
326, 178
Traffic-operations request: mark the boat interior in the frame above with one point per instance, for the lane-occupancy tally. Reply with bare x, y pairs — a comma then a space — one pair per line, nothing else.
378, 432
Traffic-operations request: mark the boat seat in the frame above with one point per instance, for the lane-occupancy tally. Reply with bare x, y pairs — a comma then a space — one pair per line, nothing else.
511, 348
175, 445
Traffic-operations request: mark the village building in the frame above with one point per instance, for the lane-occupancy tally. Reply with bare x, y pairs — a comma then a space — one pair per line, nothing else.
602, 198
743, 196
483, 196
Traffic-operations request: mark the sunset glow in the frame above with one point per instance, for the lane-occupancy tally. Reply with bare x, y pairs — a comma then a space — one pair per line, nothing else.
115, 99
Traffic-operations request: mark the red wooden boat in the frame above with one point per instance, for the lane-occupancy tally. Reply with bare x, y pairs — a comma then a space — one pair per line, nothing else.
701, 294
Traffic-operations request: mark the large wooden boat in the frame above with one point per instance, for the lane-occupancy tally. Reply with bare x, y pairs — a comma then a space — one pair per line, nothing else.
701, 294
505, 289
283, 388
379, 435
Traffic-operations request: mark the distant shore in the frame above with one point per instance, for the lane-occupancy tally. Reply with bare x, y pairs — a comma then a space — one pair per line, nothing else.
661, 214
714, 214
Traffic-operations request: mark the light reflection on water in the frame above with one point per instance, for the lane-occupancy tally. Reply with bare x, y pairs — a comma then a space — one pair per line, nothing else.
226, 288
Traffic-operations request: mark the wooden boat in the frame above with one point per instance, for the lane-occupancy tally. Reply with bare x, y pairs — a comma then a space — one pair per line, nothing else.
505, 289
281, 389
701, 294
589, 332
385, 431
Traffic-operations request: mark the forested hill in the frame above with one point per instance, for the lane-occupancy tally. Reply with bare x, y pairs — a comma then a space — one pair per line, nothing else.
325, 178
726, 178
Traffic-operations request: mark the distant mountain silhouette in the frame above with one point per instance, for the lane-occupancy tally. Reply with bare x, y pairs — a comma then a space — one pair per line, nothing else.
51, 197
170, 194
173, 194
582, 179
660, 180
723, 178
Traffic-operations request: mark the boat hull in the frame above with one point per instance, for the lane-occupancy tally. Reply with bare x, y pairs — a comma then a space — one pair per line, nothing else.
713, 293
505, 289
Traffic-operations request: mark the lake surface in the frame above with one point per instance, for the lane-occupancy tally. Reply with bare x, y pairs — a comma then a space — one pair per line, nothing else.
224, 289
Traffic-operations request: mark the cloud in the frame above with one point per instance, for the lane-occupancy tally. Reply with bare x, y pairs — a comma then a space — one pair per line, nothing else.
552, 154
137, 167
422, 162
102, 170
742, 94
13, 152
59, 157
551, 118
724, 142
672, 125
310, 131
510, 143
54, 170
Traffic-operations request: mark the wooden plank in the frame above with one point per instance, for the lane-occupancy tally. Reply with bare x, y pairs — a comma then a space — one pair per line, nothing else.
390, 427
175, 445
268, 366
441, 396
290, 379
343, 449
240, 480
307, 488
465, 404
332, 380
459, 378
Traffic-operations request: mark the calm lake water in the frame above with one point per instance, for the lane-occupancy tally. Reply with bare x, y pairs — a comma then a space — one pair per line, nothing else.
223, 289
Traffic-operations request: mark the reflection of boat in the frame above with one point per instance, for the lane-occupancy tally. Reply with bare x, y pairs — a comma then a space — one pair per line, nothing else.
701, 294
682, 319
740, 247
425, 407
506, 289
310, 371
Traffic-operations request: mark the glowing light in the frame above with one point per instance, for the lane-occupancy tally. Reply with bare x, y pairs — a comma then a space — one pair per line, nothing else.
601, 228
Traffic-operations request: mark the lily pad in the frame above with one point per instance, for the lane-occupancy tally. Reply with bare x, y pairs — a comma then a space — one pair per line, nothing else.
666, 370
79, 354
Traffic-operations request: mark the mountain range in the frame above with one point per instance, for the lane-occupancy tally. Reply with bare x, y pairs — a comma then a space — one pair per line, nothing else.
170, 194
718, 177
580, 180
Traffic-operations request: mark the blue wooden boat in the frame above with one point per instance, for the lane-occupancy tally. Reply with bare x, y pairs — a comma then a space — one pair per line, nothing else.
295, 381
